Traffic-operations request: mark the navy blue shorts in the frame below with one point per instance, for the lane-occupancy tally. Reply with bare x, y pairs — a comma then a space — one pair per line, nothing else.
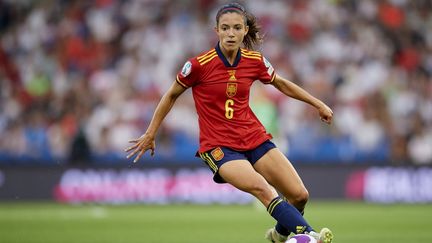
218, 156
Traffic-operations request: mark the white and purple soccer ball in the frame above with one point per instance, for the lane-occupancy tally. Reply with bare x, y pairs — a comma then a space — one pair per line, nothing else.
301, 238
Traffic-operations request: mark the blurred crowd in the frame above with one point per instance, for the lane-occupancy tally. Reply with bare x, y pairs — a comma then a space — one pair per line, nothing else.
78, 79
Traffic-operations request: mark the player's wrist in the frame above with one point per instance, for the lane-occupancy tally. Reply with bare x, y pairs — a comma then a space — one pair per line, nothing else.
149, 134
318, 104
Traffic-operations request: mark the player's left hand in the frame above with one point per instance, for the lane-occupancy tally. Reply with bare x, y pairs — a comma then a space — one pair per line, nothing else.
325, 113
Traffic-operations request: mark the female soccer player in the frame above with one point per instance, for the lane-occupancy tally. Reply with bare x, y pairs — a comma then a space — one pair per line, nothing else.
233, 143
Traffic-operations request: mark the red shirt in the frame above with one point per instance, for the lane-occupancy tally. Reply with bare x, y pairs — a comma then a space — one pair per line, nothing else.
221, 95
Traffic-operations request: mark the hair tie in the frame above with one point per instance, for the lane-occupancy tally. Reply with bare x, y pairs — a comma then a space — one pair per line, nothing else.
230, 7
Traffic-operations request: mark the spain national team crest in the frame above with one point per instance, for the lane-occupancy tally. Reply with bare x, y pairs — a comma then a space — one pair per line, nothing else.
217, 154
231, 89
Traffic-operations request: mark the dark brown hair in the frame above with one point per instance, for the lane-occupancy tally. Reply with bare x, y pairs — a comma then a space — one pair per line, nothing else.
253, 37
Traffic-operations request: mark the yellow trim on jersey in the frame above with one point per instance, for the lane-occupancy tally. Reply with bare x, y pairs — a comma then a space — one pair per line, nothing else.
206, 55
251, 57
251, 53
207, 59
273, 77
181, 83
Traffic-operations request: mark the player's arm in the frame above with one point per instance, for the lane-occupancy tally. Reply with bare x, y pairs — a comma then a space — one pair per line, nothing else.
292, 90
147, 140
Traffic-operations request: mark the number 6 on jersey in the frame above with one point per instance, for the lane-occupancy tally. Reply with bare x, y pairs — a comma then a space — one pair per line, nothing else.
229, 111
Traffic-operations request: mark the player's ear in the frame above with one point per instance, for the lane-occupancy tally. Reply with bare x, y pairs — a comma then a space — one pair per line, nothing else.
216, 29
247, 30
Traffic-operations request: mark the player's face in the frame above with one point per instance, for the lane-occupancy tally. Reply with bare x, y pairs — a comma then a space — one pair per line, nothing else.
231, 30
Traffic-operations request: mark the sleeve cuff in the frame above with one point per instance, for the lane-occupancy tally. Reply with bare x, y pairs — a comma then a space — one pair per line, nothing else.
181, 83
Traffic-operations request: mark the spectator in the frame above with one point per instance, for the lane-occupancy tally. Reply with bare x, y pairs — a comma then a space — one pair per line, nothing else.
90, 64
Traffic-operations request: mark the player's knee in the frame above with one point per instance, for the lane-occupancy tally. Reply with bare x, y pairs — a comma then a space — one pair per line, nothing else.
301, 198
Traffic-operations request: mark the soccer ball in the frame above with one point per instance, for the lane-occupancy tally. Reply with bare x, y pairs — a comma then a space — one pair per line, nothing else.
301, 238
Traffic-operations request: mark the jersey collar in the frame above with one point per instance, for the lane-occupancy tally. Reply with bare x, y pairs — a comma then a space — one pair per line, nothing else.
223, 58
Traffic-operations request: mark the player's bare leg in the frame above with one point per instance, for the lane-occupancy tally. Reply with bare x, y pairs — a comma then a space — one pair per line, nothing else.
243, 176
280, 173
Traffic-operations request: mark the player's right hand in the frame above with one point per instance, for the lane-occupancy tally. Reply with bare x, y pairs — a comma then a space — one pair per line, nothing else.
140, 146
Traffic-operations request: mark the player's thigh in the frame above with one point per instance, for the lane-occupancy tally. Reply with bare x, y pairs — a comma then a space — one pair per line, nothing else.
280, 173
243, 176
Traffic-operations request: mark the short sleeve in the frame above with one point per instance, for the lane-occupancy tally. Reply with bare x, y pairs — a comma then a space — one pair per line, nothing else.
188, 75
267, 72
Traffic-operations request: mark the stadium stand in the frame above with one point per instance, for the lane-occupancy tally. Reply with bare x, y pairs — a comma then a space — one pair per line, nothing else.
78, 79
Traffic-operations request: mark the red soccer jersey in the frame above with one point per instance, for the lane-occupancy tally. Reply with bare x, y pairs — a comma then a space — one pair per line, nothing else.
221, 95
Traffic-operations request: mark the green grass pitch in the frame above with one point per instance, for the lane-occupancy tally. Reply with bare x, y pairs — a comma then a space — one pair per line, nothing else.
351, 223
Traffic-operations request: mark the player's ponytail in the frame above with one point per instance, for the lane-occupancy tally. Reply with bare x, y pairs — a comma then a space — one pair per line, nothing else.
253, 37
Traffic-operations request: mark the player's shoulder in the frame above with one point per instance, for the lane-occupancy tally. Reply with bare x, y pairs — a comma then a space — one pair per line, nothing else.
194, 66
196, 62
251, 55
205, 57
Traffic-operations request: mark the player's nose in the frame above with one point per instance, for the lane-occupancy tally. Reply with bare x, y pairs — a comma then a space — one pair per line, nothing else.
231, 33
